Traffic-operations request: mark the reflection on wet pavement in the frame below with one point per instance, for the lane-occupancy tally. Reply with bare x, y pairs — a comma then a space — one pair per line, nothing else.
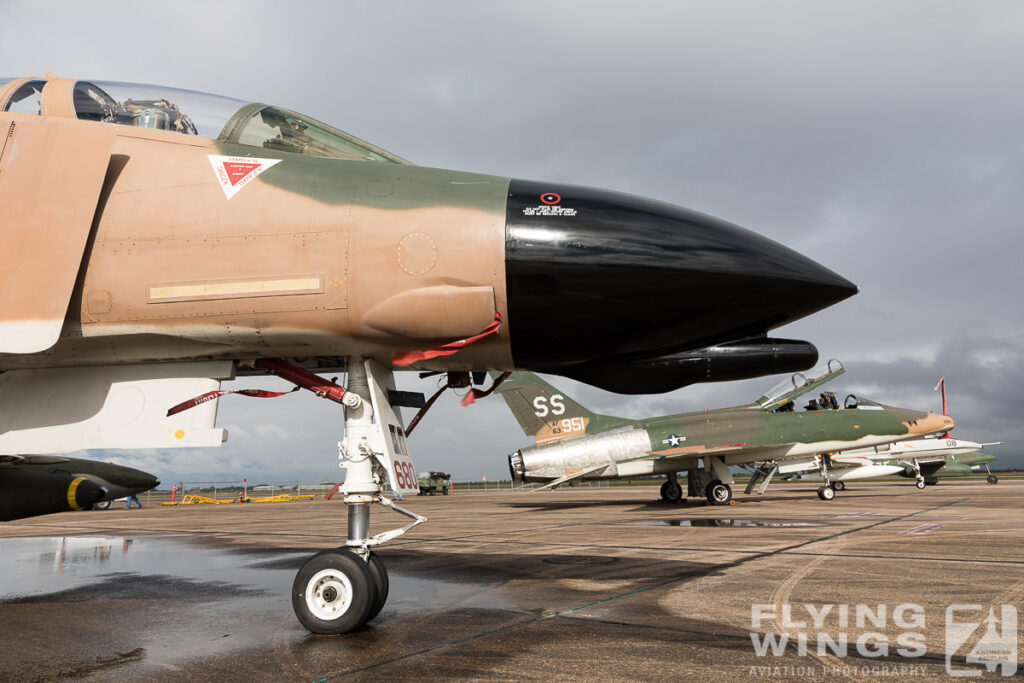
154, 602
774, 524
96, 567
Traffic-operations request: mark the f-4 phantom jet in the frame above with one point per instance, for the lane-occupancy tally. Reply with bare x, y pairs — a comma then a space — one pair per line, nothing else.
158, 241
576, 444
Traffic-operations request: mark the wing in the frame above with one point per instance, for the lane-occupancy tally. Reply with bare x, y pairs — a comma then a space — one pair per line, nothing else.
570, 477
61, 410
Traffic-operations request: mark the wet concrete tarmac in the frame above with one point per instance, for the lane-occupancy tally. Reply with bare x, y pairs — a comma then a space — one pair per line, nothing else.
606, 584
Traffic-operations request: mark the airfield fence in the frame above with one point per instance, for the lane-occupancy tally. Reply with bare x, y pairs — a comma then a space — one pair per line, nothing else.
229, 490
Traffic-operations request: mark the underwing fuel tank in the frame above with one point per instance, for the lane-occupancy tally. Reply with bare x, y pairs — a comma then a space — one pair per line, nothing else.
855, 473
24, 493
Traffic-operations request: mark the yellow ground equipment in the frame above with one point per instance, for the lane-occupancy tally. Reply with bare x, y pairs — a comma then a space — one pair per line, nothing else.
196, 500
280, 498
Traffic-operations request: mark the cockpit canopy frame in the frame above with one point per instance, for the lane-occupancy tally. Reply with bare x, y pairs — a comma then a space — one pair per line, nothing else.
222, 119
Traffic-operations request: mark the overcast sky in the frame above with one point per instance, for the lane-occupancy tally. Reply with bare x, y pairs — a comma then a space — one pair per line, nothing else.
882, 139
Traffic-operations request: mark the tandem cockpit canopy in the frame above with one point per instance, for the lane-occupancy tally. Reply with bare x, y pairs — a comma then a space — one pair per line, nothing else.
780, 397
224, 119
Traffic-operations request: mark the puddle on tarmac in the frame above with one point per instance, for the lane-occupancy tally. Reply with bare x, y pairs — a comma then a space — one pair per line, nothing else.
770, 523
76, 568
202, 600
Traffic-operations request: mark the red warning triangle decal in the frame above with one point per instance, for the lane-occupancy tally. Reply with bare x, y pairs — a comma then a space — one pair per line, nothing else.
234, 173
237, 170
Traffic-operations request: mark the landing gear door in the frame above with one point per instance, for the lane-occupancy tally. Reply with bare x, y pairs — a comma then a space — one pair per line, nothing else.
391, 434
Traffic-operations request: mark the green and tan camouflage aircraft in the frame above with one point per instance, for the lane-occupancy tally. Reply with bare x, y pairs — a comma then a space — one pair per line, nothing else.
157, 241
574, 443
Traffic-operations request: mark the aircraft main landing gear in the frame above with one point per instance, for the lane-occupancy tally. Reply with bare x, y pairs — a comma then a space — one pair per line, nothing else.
920, 483
826, 492
839, 485
671, 491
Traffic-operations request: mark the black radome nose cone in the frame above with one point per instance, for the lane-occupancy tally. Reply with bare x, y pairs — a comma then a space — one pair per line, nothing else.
596, 274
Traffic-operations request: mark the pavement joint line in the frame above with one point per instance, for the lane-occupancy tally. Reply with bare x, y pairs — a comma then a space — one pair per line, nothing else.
601, 602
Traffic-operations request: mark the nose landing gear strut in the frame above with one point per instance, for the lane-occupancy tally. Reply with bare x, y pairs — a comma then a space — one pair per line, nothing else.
339, 590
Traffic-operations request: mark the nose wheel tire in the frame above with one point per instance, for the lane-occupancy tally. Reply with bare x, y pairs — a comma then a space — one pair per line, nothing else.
671, 492
920, 484
381, 582
334, 592
718, 493
992, 479
826, 493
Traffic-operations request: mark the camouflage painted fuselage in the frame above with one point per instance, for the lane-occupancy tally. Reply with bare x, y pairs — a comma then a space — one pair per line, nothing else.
739, 435
135, 237
573, 441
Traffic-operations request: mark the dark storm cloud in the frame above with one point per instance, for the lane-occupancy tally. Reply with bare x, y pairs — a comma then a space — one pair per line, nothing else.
885, 140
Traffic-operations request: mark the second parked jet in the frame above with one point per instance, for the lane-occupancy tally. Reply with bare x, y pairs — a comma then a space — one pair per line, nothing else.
576, 444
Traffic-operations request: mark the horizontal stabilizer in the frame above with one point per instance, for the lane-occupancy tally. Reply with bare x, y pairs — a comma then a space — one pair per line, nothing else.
122, 406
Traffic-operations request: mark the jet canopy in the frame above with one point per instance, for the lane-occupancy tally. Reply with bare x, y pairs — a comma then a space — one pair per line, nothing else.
800, 383
224, 119
853, 402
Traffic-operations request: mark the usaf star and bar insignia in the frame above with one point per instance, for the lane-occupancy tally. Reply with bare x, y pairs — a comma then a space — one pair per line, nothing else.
673, 439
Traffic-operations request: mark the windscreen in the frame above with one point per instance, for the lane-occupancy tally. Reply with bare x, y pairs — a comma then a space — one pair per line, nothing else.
286, 131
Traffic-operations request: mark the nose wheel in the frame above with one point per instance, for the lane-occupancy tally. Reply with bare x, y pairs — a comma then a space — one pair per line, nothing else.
828, 491
381, 583
334, 592
718, 493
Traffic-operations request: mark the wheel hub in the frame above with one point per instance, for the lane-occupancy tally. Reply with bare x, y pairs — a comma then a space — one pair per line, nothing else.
329, 594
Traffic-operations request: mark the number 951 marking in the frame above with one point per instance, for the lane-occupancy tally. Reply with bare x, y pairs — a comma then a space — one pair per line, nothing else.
572, 424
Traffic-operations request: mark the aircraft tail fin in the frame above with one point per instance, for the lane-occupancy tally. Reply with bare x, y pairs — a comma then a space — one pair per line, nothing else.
546, 413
